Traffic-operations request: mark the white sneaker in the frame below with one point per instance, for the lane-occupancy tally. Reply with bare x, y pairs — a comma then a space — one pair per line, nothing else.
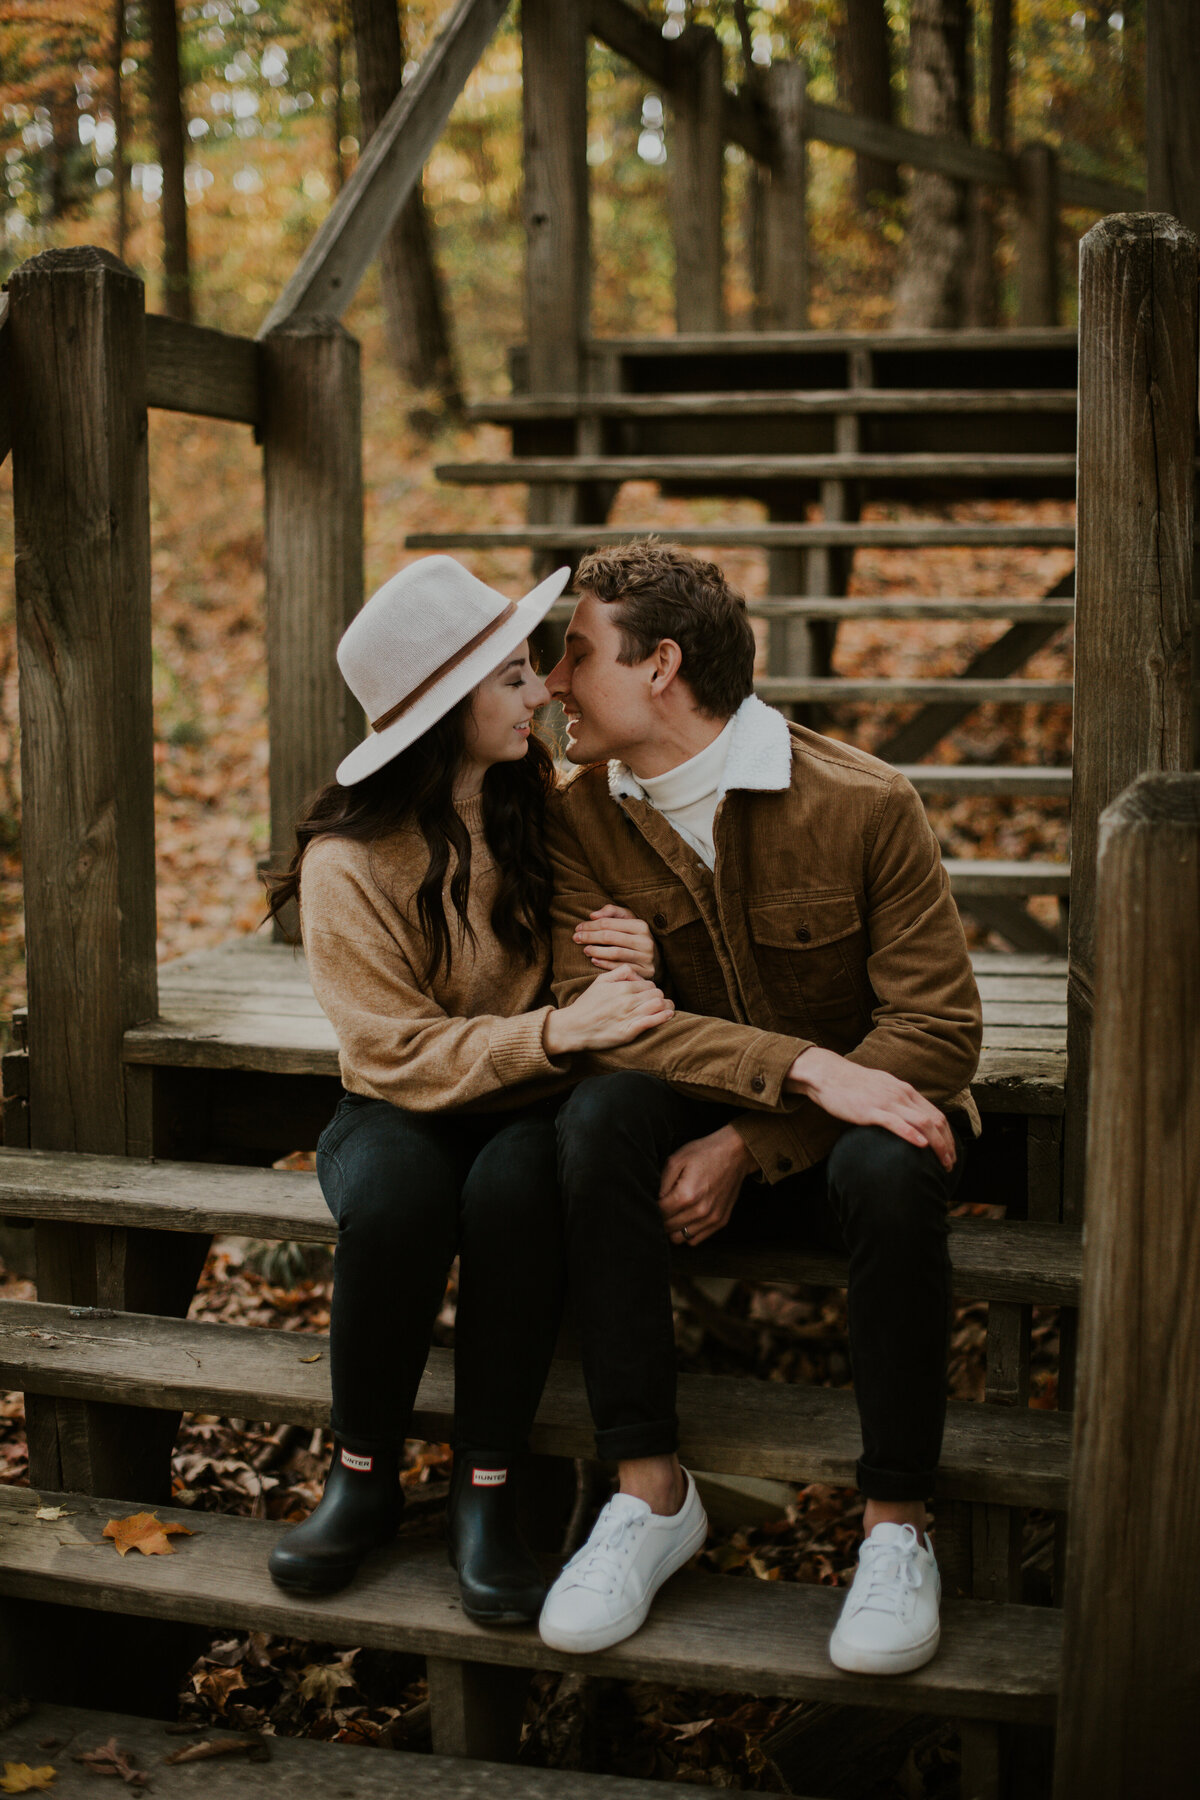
604, 1592
890, 1620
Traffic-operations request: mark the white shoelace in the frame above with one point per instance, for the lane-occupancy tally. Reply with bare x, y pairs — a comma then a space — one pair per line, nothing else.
891, 1571
597, 1566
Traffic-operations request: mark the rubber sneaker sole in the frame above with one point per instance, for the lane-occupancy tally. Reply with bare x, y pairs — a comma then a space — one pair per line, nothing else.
856, 1660
615, 1631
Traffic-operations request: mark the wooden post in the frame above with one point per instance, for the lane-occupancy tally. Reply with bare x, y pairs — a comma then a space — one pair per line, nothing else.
475, 1708
1127, 1718
784, 201
1172, 116
554, 44
312, 460
1037, 236
82, 518
696, 168
1134, 611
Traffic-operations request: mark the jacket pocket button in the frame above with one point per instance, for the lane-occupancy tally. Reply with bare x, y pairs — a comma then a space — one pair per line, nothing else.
784, 1164
758, 1083
803, 933
660, 921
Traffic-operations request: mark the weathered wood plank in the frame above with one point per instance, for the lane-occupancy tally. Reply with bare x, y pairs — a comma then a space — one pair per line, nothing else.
783, 199
1009, 344
1136, 611
789, 1432
970, 690
840, 466
348, 240
839, 611
771, 401
696, 175
557, 257
705, 1631
1037, 235
1128, 1721
751, 537
192, 369
982, 875
296, 1766
991, 1259
5, 380
918, 735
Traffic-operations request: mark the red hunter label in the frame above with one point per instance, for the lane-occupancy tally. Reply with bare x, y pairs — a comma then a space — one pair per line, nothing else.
361, 1464
488, 1477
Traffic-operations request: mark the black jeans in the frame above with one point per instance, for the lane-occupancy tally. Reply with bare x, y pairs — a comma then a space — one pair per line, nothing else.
875, 1196
410, 1191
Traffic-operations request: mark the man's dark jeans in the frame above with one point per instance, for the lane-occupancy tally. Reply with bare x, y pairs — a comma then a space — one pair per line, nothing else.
410, 1191
877, 1197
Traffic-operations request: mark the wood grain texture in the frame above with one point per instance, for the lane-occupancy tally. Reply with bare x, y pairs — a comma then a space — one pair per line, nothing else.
751, 537
1037, 236
5, 380
840, 611
753, 468
1132, 1643
1172, 117
696, 180
705, 1631
1135, 610
192, 369
557, 257
297, 1766
731, 403
991, 1259
789, 1432
970, 690
348, 240
312, 465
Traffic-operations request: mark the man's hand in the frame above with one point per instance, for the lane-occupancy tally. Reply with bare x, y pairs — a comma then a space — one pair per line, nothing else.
864, 1096
613, 937
700, 1184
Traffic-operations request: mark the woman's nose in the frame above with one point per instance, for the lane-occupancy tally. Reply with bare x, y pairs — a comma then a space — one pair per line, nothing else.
540, 696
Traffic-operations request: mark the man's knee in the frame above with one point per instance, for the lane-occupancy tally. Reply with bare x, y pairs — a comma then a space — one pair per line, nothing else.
886, 1186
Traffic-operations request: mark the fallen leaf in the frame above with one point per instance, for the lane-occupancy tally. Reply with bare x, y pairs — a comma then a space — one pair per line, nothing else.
110, 1759
144, 1531
694, 1729
52, 1512
315, 1358
323, 1682
255, 1748
216, 1685
19, 1778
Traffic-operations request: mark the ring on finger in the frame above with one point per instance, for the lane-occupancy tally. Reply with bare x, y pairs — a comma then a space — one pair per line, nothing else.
685, 1234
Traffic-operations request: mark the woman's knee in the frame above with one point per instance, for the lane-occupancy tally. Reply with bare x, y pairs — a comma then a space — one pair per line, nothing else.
513, 1182
384, 1180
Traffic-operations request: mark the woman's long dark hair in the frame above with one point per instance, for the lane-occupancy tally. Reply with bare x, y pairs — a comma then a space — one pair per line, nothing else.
417, 789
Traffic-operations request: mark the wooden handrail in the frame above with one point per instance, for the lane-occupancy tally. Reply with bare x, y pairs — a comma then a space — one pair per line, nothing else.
329, 272
5, 381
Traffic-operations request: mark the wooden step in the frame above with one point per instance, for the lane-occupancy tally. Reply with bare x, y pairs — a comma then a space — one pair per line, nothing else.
848, 612
756, 1637
755, 402
966, 781
1014, 343
292, 1769
894, 691
983, 875
908, 534
1001, 1455
721, 470
992, 1259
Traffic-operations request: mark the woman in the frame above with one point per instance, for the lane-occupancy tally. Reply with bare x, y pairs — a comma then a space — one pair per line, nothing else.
424, 897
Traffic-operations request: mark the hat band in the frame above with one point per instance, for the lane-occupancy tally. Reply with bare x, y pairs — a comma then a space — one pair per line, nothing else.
447, 668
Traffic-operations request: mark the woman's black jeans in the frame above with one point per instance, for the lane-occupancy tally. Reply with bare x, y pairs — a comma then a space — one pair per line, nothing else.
876, 1197
410, 1191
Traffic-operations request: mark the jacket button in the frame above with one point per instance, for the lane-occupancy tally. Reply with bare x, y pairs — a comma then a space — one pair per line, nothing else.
758, 1083
803, 933
660, 921
784, 1164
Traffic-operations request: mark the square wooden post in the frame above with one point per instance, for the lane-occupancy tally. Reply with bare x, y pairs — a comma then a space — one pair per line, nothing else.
1135, 607
784, 201
1131, 1649
312, 463
1037, 236
696, 172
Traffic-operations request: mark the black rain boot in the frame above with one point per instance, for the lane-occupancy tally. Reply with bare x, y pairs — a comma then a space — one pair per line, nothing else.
498, 1574
359, 1510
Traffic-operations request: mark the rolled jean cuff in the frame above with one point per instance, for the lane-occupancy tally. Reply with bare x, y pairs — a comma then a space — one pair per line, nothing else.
895, 1484
625, 1443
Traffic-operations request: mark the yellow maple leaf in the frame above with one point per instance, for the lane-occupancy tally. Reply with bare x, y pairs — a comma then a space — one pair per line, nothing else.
19, 1778
146, 1532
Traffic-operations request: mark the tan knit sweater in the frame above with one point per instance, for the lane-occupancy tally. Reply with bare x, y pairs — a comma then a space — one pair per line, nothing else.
472, 1039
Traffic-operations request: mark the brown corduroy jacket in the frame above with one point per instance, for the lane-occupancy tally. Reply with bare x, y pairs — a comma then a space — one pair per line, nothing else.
828, 920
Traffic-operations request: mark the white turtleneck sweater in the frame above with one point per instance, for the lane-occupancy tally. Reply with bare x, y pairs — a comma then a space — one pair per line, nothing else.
687, 796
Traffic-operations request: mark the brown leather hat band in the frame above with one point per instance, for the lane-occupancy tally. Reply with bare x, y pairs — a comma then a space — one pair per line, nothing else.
447, 668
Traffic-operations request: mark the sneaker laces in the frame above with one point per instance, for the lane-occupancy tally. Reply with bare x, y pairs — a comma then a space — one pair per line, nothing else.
891, 1570
597, 1565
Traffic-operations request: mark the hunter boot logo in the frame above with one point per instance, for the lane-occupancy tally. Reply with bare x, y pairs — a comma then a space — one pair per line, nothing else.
488, 1477
362, 1465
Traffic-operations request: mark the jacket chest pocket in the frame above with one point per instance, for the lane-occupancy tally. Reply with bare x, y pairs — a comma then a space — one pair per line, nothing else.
811, 953
691, 972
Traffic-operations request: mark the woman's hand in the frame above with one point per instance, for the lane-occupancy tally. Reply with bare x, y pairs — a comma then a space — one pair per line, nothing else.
615, 938
618, 1007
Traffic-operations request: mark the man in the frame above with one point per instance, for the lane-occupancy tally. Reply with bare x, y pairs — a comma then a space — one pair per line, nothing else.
827, 1028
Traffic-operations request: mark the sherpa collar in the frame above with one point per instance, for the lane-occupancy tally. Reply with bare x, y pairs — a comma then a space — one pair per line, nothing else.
759, 757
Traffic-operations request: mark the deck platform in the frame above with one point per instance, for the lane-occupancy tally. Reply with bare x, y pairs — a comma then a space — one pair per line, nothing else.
249, 1005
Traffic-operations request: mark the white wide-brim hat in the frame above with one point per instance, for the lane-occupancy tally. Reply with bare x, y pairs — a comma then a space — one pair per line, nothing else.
421, 643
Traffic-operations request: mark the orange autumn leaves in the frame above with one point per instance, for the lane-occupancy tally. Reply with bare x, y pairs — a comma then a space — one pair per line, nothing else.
146, 1532
19, 1778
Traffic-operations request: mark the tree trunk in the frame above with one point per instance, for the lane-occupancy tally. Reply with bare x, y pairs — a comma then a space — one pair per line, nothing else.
865, 77
168, 126
929, 290
1172, 117
415, 321
982, 305
120, 163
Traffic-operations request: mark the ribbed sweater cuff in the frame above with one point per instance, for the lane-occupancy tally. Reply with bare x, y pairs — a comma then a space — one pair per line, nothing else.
517, 1051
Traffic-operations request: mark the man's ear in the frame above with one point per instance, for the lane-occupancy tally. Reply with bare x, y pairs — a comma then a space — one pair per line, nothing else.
666, 663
